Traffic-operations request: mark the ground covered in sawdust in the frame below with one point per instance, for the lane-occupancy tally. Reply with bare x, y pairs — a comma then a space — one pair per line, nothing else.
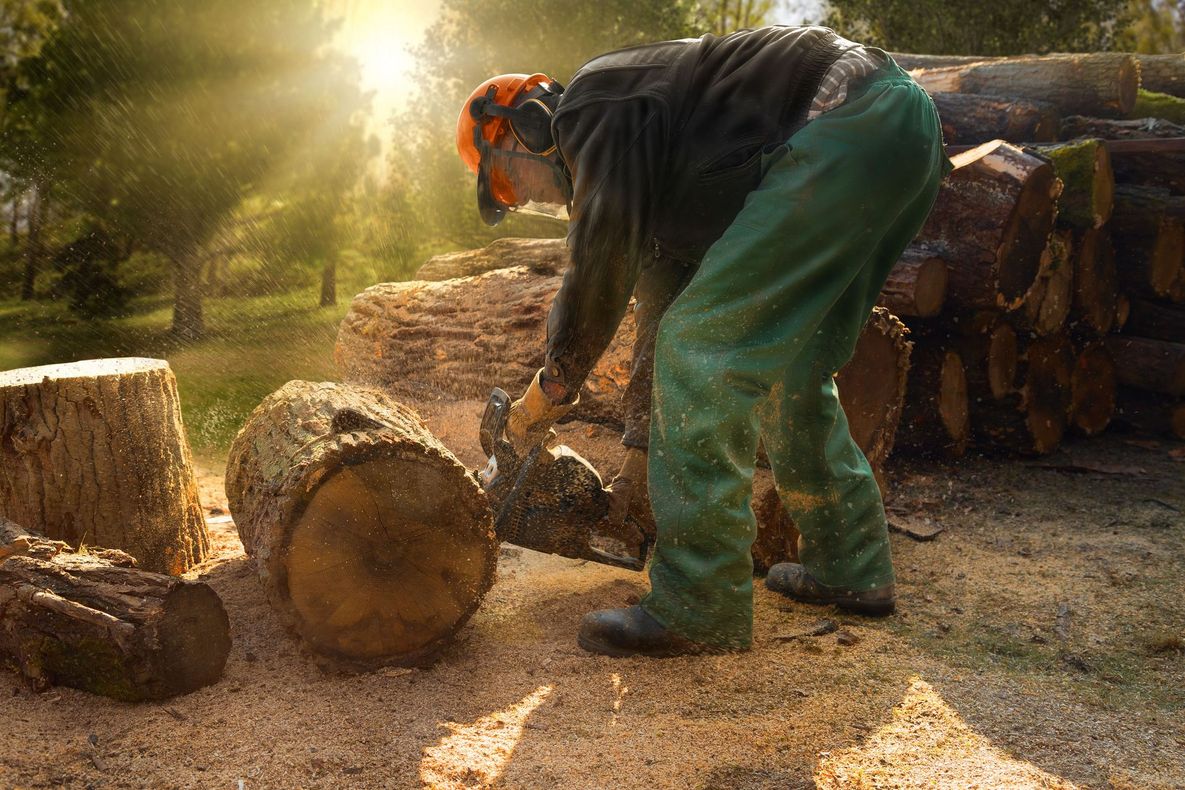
1038, 644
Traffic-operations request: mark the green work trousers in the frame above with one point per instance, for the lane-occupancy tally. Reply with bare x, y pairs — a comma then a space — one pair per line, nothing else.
749, 349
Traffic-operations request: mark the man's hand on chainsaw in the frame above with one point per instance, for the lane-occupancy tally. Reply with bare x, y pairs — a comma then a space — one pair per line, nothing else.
629, 519
531, 417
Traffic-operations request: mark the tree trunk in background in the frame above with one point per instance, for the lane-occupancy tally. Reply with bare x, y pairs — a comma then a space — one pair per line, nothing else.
1163, 73
15, 219
188, 322
330, 477
95, 453
34, 247
329, 281
92, 621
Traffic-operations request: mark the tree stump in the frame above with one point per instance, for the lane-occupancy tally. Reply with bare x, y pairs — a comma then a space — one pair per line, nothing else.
969, 119
991, 223
95, 452
93, 621
373, 542
1099, 83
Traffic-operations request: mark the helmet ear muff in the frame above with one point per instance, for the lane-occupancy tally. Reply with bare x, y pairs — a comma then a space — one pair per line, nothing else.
530, 121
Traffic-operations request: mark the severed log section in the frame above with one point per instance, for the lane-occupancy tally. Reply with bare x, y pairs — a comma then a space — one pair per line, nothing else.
542, 256
989, 347
372, 540
1101, 83
1164, 169
1096, 282
971, 119
1149, 241
936, 417
1163, 73
1084, 167
911, 61
1156, 320
1150, 413
991, 223
1146, 364
1033, 420
1092, 388
916, 286
1047, 304
95, 452
92, 621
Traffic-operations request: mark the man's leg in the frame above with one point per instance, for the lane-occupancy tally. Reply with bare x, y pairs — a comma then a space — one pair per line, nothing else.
822, 216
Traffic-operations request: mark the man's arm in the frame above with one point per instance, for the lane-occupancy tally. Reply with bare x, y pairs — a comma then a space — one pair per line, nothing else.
614, 151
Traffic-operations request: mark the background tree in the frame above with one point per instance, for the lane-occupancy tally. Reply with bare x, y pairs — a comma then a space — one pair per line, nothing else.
1156, 26
1001, 27
724, 16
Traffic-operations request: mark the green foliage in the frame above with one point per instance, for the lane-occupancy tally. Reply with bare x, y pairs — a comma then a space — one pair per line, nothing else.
473, 40
1155, 27
1000, 27
725, 16
24, 26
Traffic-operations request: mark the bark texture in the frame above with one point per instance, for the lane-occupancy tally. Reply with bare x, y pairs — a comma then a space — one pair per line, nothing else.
1164, 169
1092, 386
1149, 241
1163, 73
93, 621
95, 452
991, 223
1101, 84
372, 540
1156, 320
916, 287
970, 119
542, 256
1047, 304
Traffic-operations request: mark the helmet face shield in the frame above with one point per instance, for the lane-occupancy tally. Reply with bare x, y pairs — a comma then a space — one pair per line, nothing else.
510, 180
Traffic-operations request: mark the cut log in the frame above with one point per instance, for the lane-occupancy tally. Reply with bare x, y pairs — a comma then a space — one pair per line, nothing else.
989, 348
1152, 168
1156, 320
911, 61
1149, 241
95, 452
1093, 385
916, 286
1033, 420
542, 256
1163, 73
1096, 282
93, 621
1150, 413
373, 542
936, 416
1150, 104
1123, 309
1088, 192
991, 224
1151, 365
1103, 83
970, 119
1047, 304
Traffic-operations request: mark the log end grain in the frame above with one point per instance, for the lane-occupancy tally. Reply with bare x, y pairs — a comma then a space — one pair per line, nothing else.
1093, 389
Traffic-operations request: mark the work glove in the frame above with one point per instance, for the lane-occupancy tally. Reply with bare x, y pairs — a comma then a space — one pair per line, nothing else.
532, 416
629, 518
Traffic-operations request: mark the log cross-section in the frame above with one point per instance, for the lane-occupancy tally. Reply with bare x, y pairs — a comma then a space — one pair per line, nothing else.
372, 540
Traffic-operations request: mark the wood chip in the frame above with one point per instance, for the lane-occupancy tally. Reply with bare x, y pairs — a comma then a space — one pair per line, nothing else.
820, 628
917, 526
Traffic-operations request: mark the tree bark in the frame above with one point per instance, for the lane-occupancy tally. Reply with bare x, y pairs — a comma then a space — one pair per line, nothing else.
971, 119
1096, 282
1092, 388
542, 256
1155, 169
1151, 365
1102, 84
329, 282
372, 540
188, 321
1088, 192
936, 417
93, 621
1163, 73
1156, 320
95, 453
991, 223
1033, 420
1149, 242
916, 286
34, 246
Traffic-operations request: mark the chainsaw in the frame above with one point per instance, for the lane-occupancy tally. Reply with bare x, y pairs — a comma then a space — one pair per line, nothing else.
549, 499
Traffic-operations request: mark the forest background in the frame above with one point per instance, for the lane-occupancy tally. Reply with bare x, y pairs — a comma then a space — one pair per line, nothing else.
208, 181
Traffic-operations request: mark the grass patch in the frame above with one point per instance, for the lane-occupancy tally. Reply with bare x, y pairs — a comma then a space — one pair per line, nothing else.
252, 347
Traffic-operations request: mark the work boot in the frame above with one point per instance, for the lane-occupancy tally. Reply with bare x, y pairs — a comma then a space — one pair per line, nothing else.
633, 632
793, 581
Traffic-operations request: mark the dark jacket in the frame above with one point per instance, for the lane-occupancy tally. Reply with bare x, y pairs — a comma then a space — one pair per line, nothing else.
663, 142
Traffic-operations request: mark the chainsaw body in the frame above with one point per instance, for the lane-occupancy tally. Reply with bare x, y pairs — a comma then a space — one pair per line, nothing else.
549, 499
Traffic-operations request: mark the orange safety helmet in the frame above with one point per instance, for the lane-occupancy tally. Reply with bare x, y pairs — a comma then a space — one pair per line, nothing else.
493, 108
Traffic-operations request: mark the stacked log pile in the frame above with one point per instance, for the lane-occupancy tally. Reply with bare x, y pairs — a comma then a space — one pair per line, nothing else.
1064, 239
